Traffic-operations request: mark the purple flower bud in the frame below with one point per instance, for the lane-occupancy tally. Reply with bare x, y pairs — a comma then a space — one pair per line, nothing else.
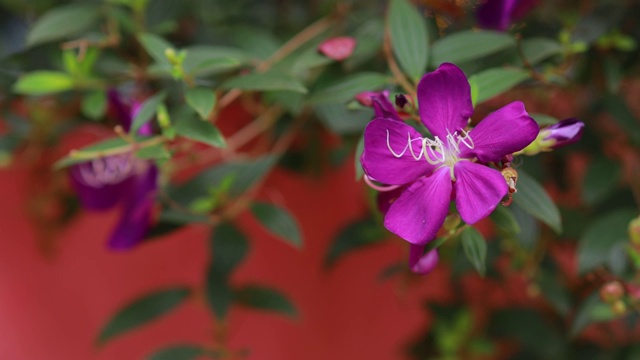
338, 48
564, 132
421, 263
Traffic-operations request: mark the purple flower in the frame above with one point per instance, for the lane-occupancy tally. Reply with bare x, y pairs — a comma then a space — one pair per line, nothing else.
499, 14
104, 182
421, 263
563, 133
433, 171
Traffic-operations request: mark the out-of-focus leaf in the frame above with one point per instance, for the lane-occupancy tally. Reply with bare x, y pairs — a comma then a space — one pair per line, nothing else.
469, 45
504, 219
156, 46
600, 238
530, 230
554, 292
538, 49
345, 89
532, 198
63, 22
154, 152
94, 104
590, 311
43, 82
142, 311
200, 130
493, 82
358, 165
475, 248
147, 111
601, 180
199, 59
229, 247
183, 352
409, 37
531, 331
264, 298
278, 221
259, 42
266, 81
202, 100
543, 119
341, 120
357, 235
369, 37
623, 115
95, 147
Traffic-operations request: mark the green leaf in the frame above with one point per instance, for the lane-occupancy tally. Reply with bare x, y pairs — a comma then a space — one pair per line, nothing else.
358, 164
341, 120
93, 148
142, 311
156, 47
590, 311
555, 292
264, 298
622, 114
147, 111
533, 199
469, 45
504, 219
266, 81
211, 66
63, 23
228, 247
278, 221
493, 82
198, 55
357, 235
475, 248
345, 89
153, 152
538, 49
543, 119
94, 104
183, 352
601, 180
601, 237
202, 100
43, 82
409, 37
200, 130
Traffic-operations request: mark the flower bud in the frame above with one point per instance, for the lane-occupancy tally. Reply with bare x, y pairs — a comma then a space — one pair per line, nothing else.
634, 231
611, 292
338, 48
619, 307
451, 222
563, 133
404, 104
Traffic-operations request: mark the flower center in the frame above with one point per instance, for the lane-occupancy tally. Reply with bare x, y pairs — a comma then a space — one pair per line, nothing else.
107, 170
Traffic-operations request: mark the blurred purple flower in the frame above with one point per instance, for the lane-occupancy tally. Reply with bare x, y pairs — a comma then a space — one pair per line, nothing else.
500, 14
430, 172
563, 133
104, 182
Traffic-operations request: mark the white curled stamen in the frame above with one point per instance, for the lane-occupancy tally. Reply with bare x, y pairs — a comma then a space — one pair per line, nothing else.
435, 151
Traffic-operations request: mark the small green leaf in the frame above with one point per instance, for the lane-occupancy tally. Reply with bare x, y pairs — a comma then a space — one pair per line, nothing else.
590, 311
601, 180
266, 81
183, 352
147, 111
357, 235
93, 149
504, 219
202, 100
278, 221
409, 37
211, 66
601, 237
469, 45
200, 130
345, 89
63, 22
538, 49
475, 248
229, 246
153, 152
555, 292
358, 164
155, 46
94, 104
533, 199
43, 82
622, 114
493, 82
142, 311
264, 298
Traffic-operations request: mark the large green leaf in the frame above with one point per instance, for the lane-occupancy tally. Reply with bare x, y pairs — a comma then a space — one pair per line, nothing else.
601, 238
266, 81
63, 23
533, 199
263, 298
340, 120
345, 89
469, 45
43, 82
505, 220
142, 311
409, 37
147, 111
475, 248
357, 235
278, 221
493, 82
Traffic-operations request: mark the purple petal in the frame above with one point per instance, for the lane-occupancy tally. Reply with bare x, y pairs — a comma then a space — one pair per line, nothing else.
120, 110
386, 198
419, 212
503, 132
565, 132
136, 218
381, 164
496, 14
479, 189
444, 99
99, 190
383, 107
421, 263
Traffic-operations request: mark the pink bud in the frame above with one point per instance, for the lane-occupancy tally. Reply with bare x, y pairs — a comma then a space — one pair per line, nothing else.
338, 48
